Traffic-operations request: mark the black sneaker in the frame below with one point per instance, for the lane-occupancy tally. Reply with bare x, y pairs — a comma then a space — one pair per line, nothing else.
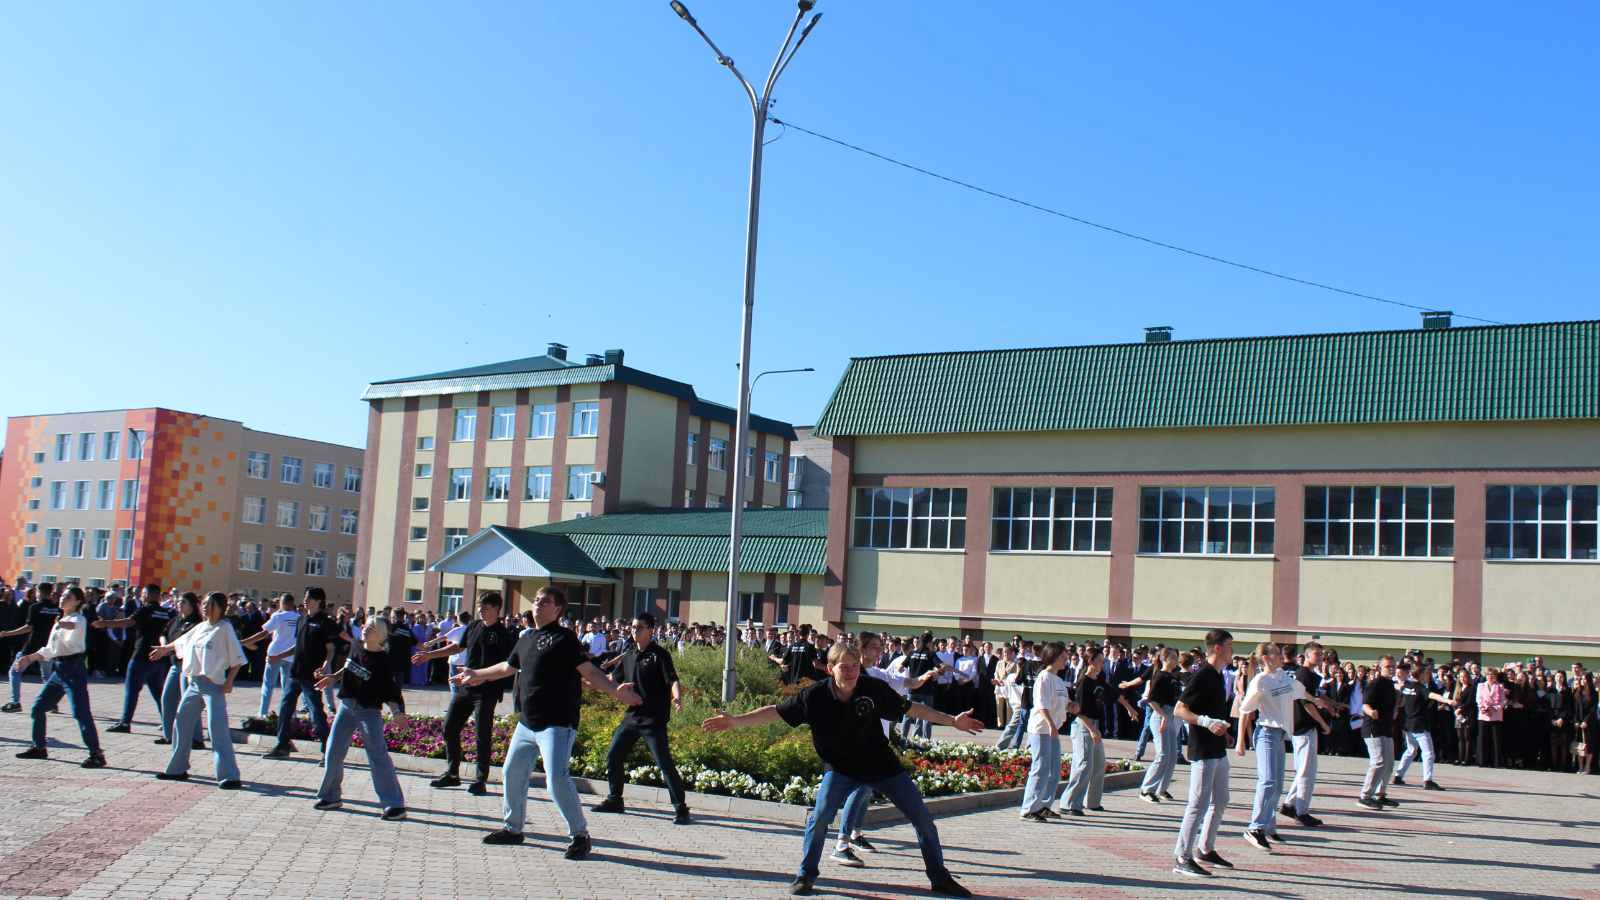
1387, 802
11, 707
862, 844
161, 742
232, 784
394, 814
1257, 839
478, 788
801, 885
168, 776
1276, 838
120, 728
845, 856
609, 805
949, 887
1150, 798
1369, 804
446, 781
503, 837
33, 753
1430, 785
1309, 821
1167, 795
1215, 858
1398, 780
95, 761
680, 816
1096, 808
326, 805
1036, 816
197, 745
1048, 813
1188, 867
1286, 811
579, 848
279, 752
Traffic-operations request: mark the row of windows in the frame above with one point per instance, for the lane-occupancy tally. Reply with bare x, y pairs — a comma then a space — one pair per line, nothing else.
82, 543
319, 519
107, 443
291, 470
497, 486
100, 494
453, 538
1521, 521
503, 423
717, 457
315, 562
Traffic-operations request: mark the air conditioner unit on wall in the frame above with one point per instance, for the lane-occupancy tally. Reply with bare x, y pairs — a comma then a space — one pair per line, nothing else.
597, 478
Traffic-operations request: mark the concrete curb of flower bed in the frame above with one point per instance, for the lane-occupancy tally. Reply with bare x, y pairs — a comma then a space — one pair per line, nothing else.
737, 807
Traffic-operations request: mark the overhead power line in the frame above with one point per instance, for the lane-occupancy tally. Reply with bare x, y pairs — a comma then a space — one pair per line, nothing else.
1117, 231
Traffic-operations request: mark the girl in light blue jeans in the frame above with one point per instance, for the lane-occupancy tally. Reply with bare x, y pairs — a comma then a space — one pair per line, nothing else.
1049, 715
1161, 694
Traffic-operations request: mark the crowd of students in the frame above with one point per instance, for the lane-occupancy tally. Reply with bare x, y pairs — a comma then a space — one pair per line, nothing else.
1195, 707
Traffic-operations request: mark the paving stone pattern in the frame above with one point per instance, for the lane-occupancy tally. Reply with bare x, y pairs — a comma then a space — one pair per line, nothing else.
117, 832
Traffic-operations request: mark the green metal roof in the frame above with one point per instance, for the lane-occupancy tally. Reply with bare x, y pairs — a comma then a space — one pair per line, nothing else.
1492, 373
787, 541
553, 551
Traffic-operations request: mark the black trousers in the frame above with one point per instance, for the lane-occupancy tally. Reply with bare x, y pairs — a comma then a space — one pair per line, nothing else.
481, 708
655, 737
1488, 744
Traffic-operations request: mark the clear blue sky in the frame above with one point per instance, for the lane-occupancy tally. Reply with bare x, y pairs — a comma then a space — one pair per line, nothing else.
252, 210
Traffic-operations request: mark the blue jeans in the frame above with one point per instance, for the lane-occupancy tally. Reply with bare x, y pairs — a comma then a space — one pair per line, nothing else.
351, 717
922, 728
1044, 775
275, 677
1016, 729
143, 672
854, 815
1418, 743
527, 746
16, 677
1202, 816
1158, 778
622, 742
171, 696
67, 677
900, 790
1088, 770
1269, 778
1145, 734
292, 692
204, 694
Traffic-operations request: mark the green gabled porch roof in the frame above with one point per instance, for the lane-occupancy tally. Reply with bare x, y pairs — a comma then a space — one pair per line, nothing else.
783, 541
1491, 373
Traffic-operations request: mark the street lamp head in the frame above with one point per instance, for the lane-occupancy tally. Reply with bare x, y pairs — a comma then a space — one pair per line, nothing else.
682, 11
805, 5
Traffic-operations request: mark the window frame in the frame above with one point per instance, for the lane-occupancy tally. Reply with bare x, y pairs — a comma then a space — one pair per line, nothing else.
52, 543
1154, 531
459, 488
100, 543
86, 442
585, 419
542, 421
111, 446
464, 425
537, 475
349, 520
124, 543
717, 455
943, 532
327, 517
1097, 522
258, 461
771, 463
245, 549
497, 481
352, 476
345, 565
105, 494
63, 448
295, 465
316, 563
82, 494
1340, 519
503, 423
293, 507
260, 506
279, 555
59, 495
1578, 519
318, 470
586, 489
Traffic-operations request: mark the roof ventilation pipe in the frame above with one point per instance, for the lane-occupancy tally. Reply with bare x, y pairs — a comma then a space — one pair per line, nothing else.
557, 351
1159, 334
594, 359
1436, 320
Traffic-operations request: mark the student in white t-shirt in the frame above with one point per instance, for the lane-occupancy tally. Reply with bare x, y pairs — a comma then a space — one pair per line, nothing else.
279, 627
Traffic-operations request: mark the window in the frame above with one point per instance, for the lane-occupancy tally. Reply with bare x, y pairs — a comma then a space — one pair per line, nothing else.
419, 504
643, 599
317, 563
1063, 520
413, 595
713, 501
688, 498
289, 471
578, 486
1540, 521
283, 560
125, 543
453, 538
497, 487
505, 422
105, 494
136, 444
102, 544
585, 419
80, 495
86, 446
320, 518
693, 456
28, 552
352, 479
538, 486
449, 600
425, 443
322, 475
250, 557
419, 532
345, 566
33, 504
75, 543
349, 521
257, 464
914, 518
35, 481
63, 447
414, 565
674, 605
543, 424
1233, 520
255, 510
466, 425
32, 528
58, 495
749, 461
717, 458
1389, 520
780, 616
774, 463
424, 470
52, 542
108, 449
749, 608
288, 514
795, 499
130, 493
460, 485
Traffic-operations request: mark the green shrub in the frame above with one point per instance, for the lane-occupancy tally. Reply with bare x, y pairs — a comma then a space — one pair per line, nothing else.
700, 672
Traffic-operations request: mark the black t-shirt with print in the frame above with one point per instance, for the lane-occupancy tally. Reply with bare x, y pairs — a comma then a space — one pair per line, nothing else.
369, 679
651, 673
1379, 693
550, 689
41, 616
1205, 695
1312, 682
1416, 706
919, 662
485, 646
848, 734
150, 624
799, 661
1163, 689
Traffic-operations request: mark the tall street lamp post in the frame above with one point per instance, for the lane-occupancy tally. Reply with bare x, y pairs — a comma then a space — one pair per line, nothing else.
759, 103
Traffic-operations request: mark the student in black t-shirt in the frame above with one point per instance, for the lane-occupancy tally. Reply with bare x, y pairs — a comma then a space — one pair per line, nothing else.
646, 667
918, 663
554, 666
149, 624
172, 692
1417, 699
1378, 698
845, 712
799, 661
1203, 705
1160, 696
366, 682
38, 617
316, 639
486, 642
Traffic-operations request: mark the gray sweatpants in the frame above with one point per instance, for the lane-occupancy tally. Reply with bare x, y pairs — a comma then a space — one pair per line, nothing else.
1380, 763
1202, 816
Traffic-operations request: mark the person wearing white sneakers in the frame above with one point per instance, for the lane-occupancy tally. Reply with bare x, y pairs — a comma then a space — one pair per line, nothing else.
1161, 693
1050, 710
1305, 739
1269, 702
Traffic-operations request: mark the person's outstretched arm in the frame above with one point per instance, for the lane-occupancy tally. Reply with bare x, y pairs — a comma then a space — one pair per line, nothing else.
722, 721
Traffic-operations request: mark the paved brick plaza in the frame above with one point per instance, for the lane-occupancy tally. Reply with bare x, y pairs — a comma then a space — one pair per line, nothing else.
118, 832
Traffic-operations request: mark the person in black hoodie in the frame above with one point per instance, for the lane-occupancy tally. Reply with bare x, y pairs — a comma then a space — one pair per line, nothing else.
366, 683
